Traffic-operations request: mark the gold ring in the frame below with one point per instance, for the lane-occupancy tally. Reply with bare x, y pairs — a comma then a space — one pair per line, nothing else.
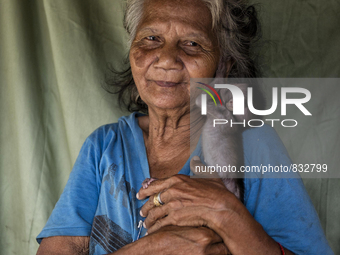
157, 200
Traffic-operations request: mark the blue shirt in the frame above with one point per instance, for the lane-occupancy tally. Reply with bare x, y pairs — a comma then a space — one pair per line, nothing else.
99, 199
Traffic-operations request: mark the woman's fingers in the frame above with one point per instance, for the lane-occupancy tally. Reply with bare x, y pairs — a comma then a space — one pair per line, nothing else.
170, 203
187, 216
218, 249
150, 204
159, 185
209, 236
155, 214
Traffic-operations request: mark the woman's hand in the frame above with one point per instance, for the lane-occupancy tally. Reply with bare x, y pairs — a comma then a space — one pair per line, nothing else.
186, 201
188, 240
205, 202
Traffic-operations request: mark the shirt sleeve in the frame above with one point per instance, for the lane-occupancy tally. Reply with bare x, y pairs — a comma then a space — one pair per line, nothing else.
281, 204
74, 212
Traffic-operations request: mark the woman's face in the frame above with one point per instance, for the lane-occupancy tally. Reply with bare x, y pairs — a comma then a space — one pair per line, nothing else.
174, 42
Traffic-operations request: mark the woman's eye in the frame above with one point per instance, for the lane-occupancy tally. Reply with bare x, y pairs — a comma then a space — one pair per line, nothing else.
191, 43
151, 38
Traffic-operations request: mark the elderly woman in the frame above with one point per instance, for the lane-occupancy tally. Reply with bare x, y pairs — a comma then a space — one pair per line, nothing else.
101, 209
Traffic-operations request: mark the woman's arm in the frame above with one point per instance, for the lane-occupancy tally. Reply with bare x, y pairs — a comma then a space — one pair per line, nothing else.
64, 245
179, 241
248, 236
172, 239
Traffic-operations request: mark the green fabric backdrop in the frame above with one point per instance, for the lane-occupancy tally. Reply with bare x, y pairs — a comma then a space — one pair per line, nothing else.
53, 57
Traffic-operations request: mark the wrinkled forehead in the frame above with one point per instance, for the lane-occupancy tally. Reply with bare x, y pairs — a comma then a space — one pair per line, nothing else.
192, 13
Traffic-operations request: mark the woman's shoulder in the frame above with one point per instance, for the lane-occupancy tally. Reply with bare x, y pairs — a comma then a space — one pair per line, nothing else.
125, 124
261, 136
263, 143
265, 154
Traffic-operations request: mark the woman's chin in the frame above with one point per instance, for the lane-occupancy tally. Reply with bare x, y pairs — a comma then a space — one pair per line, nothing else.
168, 104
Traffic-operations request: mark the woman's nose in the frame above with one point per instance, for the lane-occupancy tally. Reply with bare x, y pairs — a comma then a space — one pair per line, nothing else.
168, 58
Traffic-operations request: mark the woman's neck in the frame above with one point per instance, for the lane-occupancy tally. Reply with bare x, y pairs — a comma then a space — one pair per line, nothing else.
167, 140
170, 127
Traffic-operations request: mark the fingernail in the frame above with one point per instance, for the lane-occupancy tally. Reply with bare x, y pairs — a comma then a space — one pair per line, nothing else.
141, 214
146, 233
137, 196
144, 225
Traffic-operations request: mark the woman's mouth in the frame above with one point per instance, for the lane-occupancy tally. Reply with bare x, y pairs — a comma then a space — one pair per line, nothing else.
166, 83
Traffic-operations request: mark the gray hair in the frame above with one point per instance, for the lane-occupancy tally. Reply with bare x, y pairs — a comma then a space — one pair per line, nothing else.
236, 26
230, 21
134, 13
